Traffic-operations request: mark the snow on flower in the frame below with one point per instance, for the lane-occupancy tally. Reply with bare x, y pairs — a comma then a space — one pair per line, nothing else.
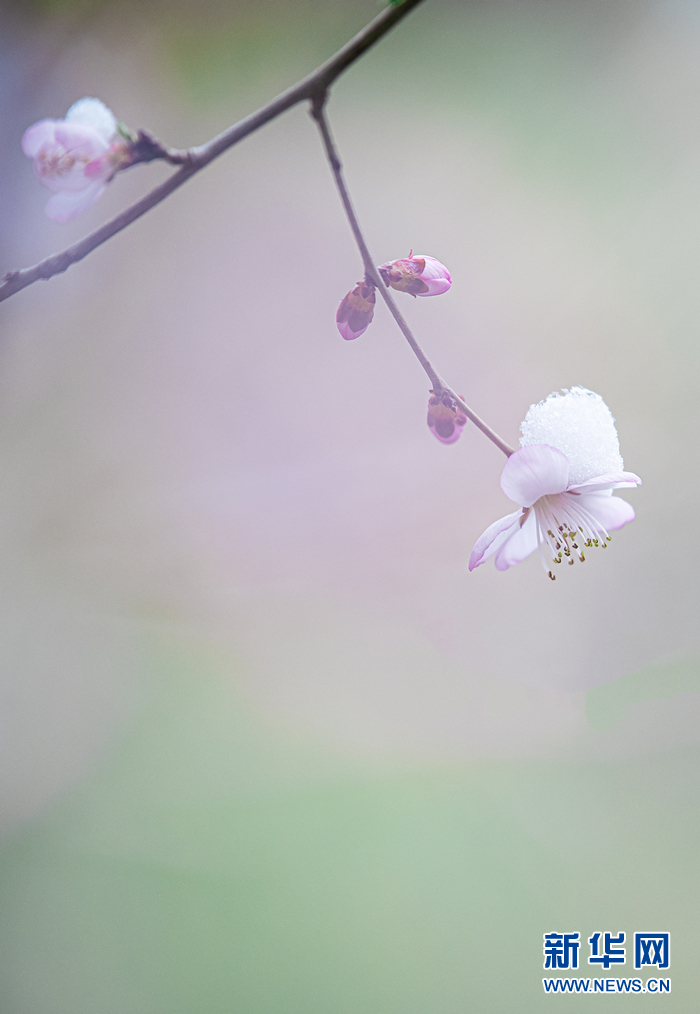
356, 311
562, 477
419, 275
75, 157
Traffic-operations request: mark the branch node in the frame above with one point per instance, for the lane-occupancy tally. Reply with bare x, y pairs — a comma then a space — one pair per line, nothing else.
318, 99
147, 148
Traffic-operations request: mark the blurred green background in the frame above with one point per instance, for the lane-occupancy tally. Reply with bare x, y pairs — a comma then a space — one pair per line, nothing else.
266, 746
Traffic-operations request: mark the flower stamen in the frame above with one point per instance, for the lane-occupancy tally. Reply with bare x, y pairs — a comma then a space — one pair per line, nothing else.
563, 524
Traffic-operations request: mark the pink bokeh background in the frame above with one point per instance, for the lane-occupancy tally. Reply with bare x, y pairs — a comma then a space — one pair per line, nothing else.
190, 451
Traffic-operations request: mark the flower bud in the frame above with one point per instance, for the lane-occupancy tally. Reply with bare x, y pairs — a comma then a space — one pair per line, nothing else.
356, 311
419, 275
445, 419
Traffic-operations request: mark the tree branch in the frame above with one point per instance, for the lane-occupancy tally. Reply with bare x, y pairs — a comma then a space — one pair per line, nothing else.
439, 385
194, 159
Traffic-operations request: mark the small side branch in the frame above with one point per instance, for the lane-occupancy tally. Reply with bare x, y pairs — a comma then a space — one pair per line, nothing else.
192, 160
318, 103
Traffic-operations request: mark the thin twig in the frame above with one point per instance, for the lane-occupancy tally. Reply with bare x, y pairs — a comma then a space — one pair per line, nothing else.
318, 112
194, 159
480, 424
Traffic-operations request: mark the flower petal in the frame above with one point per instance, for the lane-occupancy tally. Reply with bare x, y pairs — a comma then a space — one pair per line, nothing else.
493, 538
36, 136
68, 178
347, 332
63, 206
521, 543
356, 311
435, 275
610, 512
447, 431
534, 471
619, 480
445, 420
80, 139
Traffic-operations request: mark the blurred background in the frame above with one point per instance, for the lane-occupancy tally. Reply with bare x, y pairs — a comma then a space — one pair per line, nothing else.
266, 745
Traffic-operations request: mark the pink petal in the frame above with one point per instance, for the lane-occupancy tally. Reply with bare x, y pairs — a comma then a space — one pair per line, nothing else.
534, 471
100, 168
36, 136
63, 206
436, 286
454, 436
445, 423
69, 181
619, 480
609, 511
433, 267
493, 538
434, 274
80, 139
521, 543
347, 332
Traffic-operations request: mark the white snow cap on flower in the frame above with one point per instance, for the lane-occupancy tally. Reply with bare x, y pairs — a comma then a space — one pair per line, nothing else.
562, 477
94, 113
581, 425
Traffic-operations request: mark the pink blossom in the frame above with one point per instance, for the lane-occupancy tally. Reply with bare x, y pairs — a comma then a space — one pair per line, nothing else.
420, 275
566, 501
356, 311
75, 157
445, 419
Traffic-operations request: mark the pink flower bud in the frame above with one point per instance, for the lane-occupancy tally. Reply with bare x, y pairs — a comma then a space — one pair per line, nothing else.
445, 419
75, 157
419, 275
356, 311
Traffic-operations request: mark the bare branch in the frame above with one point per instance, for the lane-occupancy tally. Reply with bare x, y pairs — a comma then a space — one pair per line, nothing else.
480, 424
439, 385
194, 159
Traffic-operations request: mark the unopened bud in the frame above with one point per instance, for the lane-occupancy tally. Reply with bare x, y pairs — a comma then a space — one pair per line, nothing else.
419, 275
356, 311
445, 419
